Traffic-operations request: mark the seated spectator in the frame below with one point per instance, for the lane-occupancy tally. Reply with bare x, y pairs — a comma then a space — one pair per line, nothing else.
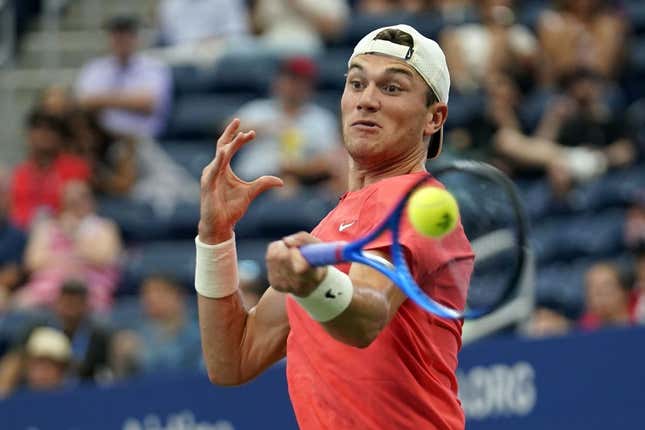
298, 25
495, 45
607, 299
122, 166
75, 244
197, 32
37, 183
130, 92
43, 365
635, 222
167, 337
384, 7
89, 341
12, 246
547, 321
296, 139
581, 33
578, 138
639, 285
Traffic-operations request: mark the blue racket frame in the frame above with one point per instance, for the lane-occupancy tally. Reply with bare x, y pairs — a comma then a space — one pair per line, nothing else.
322, 254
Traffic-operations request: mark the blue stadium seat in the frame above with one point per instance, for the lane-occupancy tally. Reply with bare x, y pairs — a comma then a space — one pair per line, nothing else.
329, 99
635, 12
332, 67
203, 116
193, 155
244, 73
176, 258
563, 283
578, 235
361, 24
137, 221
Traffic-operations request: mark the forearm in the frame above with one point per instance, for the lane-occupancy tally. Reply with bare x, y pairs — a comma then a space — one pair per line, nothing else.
237, 345
222, 324
135, 102
363, 320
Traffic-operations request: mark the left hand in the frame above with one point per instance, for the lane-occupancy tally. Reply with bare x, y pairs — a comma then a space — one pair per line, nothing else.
288, 271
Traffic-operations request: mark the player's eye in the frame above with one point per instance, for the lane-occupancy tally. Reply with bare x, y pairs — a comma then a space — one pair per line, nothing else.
355, 84
391, 88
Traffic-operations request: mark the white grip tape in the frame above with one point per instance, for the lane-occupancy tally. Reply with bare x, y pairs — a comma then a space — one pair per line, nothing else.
216, 269
332, 296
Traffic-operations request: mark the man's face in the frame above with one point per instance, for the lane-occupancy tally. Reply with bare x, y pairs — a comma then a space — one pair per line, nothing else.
44, 373
123, 44
71, 308
605, 296
384, 111
43, 140
293, 90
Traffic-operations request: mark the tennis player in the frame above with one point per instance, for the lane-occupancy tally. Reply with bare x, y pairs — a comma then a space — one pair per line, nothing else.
359, 355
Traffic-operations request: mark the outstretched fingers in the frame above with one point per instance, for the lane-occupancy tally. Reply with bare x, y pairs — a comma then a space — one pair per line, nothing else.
264, 183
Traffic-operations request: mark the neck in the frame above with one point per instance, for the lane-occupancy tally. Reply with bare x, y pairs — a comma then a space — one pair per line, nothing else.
43, 160
362, 175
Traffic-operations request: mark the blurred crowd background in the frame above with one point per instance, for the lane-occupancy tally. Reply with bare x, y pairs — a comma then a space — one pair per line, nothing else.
99, 194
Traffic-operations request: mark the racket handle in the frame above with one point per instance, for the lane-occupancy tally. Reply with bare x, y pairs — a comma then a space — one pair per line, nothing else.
322, 254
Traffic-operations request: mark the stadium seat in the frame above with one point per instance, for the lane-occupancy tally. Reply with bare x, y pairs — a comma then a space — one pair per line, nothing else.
137, 221
332, 67
244, 73
203, 116
578, 235
635, 12
193, 155
176, 258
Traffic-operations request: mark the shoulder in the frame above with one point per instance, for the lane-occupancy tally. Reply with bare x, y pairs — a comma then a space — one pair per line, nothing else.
97, 65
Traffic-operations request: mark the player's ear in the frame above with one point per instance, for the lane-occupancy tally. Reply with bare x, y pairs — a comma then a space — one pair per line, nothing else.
436, 116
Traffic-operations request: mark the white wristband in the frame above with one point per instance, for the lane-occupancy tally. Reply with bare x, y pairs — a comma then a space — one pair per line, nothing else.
216, 269
330, 298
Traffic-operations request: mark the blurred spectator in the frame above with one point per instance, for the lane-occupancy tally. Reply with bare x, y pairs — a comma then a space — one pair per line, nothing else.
75, 244
131, 92
37, 183
607, 299
578, 138
639, 285
296, 139
12, 246
581, 33
197, 31
635, 222
383, 7
89, 341
548, 321
43, 365
167, 338
298, 25
495, 45
122, 166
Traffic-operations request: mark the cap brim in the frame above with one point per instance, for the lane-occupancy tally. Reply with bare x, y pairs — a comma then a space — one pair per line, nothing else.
436, 141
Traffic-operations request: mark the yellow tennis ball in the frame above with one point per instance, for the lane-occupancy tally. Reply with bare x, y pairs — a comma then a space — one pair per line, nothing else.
433, 211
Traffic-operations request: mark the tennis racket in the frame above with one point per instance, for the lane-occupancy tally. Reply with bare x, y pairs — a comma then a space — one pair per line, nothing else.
494, 221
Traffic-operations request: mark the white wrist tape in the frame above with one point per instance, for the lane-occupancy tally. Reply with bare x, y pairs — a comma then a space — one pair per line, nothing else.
332, 296
216, 269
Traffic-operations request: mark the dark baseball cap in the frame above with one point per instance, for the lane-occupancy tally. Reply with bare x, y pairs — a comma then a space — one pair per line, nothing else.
122, 23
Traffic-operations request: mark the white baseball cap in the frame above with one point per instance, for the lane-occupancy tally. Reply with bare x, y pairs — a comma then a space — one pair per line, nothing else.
49, 343
425, 56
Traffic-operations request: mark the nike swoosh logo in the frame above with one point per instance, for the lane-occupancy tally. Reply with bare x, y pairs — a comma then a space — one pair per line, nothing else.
343, 227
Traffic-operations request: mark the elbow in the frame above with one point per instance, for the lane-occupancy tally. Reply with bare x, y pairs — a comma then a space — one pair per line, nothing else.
361, 337
222, 379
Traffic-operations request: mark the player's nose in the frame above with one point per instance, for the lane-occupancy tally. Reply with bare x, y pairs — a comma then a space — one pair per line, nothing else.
368, 99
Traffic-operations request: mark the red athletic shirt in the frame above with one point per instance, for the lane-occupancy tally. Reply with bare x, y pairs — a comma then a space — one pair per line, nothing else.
33, 188
406, 378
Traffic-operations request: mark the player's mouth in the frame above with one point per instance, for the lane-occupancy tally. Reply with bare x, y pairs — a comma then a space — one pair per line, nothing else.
366, 124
